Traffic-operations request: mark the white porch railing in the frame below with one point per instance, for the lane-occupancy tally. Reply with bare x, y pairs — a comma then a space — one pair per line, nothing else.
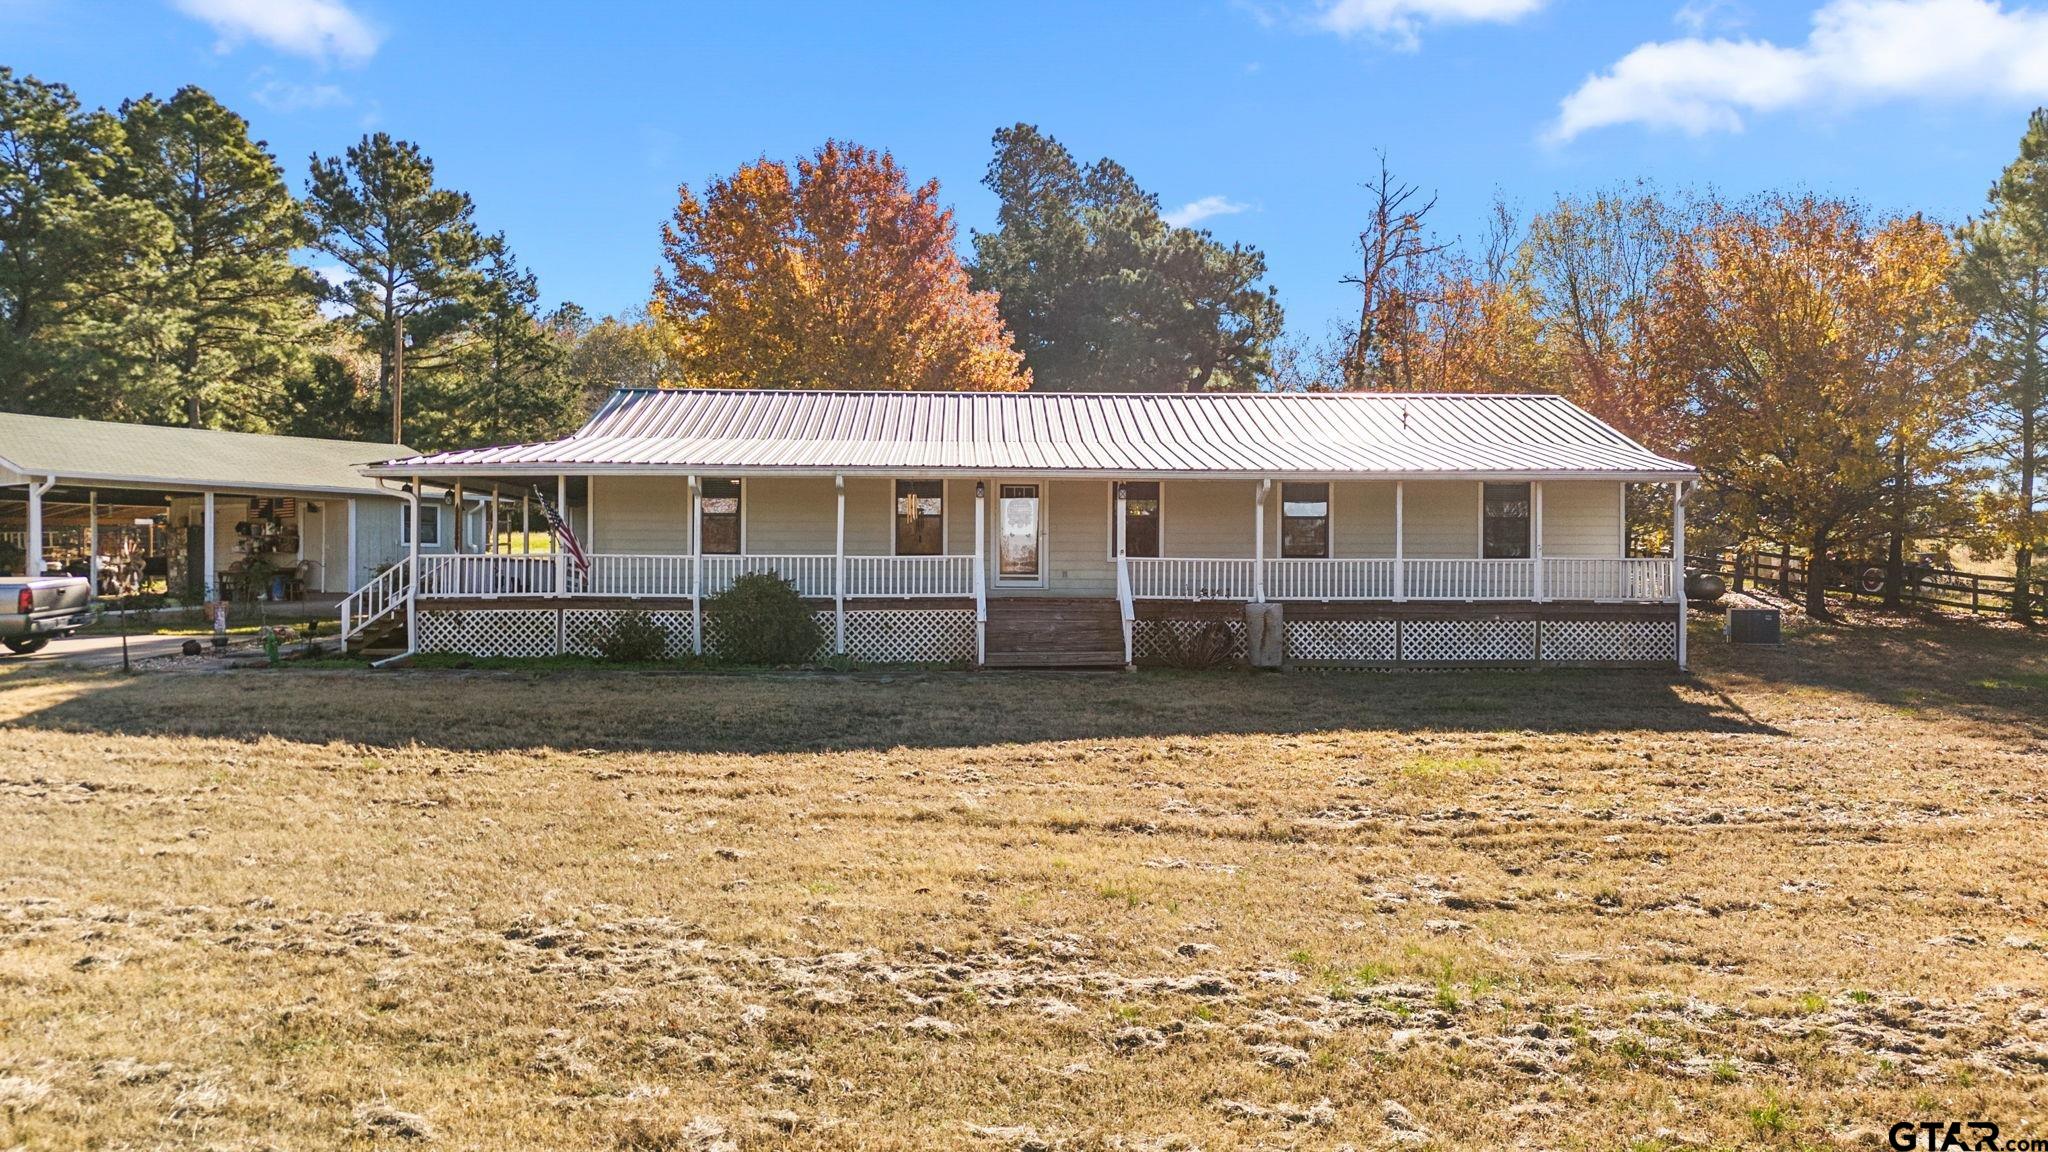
626, 574
1470, 579
1372, 578
1341, 579
812, 574
1179, 578
489, 575
909, 576
1602, 578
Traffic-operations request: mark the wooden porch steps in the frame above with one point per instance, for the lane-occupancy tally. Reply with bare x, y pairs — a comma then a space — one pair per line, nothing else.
1054, 632
383, 639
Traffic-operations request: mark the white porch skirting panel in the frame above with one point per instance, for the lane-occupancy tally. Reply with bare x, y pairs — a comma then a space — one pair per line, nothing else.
1431, 641
873, 636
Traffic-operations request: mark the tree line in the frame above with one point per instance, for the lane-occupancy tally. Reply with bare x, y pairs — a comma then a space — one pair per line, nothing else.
150, 271
1847, 382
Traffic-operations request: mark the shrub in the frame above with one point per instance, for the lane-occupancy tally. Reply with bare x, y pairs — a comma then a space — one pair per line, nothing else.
630, 638
762, 620
1208, 646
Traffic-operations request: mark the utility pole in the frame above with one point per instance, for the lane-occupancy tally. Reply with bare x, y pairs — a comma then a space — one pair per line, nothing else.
397, 379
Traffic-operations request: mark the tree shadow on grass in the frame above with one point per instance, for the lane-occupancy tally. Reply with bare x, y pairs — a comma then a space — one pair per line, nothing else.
628, 711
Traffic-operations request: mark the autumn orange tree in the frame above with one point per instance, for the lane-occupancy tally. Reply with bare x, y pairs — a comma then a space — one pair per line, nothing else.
838, 274
1817, 355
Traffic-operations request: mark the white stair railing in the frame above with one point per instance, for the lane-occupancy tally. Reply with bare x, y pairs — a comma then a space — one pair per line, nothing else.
383, 595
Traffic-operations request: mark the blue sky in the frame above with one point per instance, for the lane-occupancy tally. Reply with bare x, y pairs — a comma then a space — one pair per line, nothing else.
571, 125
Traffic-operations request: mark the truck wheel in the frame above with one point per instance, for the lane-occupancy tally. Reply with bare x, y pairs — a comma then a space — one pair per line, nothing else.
25, 645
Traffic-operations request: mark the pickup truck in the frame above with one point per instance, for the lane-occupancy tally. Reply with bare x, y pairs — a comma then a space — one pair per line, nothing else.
34, 609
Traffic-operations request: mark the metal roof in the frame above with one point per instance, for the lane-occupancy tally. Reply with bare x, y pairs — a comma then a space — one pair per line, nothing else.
1215, 434
149, 456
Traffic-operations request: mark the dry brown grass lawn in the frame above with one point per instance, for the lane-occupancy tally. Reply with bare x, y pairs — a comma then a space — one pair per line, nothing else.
1784, 902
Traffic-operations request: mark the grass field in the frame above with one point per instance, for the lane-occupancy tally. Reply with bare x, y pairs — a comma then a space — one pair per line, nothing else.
1785, 903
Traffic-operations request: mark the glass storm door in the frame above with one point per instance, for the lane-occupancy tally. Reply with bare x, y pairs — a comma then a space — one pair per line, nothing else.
1019, 533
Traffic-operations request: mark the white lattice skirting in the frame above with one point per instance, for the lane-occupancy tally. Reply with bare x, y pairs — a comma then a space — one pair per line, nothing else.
491, 632
1342, 641
1436, 641
892, 636
1162, 641
1611, 641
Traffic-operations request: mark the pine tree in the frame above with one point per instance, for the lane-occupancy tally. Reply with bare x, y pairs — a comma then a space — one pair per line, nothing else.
2003, 279
76, 257
233, 312
508, 376
1102, 293
410, 249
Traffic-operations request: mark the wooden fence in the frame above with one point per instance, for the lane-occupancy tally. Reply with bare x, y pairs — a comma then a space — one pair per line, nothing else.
1786, 574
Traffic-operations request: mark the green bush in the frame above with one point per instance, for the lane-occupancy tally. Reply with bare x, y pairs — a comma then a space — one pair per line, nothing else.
762, 620
630, 638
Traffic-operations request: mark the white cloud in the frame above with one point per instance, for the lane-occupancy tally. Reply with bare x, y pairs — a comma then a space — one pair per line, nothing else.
1195, 211
317, 28
1859, 51
1402, 20
286, 96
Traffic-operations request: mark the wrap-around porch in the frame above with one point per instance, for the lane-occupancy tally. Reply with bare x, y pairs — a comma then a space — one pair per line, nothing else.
901, 545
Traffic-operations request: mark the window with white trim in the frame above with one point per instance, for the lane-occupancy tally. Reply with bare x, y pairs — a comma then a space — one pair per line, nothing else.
430, 527
920, 517
1304, 520
1504, 522
1142, 509
718, 517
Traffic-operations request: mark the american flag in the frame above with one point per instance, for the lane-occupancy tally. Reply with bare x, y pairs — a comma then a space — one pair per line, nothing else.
565, 538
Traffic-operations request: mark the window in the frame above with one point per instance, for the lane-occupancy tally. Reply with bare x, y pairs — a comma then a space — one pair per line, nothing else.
1141, 518
718, 517
1304, 520
920, 517
430, 527
1505, 522
1018, 525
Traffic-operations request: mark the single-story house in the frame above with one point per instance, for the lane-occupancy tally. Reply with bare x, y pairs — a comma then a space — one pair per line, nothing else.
193, 504
1035, 529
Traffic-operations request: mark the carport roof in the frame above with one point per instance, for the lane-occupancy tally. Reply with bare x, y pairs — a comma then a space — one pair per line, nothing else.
148, 456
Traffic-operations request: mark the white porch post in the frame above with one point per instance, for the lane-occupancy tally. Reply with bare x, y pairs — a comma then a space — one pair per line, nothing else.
561, 554
1259, 541
696, 570
491, 537
1400, 541
412, 559
461, 515
207, 577
526, 522
1678, 563
839, 571
590, 515
32, 548
349, 583
1536, 533
1123, 565
92, 539
980, 573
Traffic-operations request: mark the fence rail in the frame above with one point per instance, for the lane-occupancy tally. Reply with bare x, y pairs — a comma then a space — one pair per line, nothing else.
1346, 579
1373, 578
1177, 578
1470, 579
1787, 573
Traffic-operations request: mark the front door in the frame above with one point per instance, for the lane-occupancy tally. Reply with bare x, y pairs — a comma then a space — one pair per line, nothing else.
1020, 534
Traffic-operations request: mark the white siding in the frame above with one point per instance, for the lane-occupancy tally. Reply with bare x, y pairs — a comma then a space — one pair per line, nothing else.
644, 514
788, 516
1208, 519
1581, 518
1440, 519
1363, 515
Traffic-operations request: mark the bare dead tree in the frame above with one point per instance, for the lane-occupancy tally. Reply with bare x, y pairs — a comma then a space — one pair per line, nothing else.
1394, 248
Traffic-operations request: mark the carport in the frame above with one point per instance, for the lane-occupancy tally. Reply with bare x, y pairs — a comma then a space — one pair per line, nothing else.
208, 504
